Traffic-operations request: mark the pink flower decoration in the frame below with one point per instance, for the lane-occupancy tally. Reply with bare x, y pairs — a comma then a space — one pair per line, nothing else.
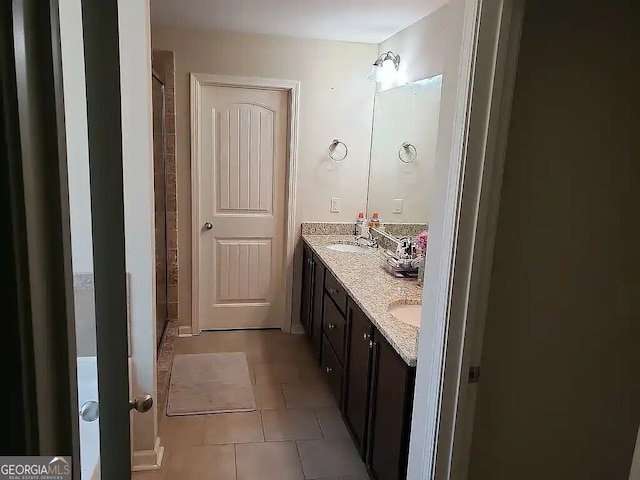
421, 242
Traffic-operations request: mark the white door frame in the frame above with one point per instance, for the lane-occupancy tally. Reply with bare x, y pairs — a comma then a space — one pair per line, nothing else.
476, 104
198, 80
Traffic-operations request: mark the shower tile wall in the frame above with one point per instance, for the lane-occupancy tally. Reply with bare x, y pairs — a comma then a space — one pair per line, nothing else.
163, 63
159, 186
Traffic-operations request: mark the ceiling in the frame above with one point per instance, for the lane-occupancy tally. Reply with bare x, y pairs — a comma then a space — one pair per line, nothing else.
370, 21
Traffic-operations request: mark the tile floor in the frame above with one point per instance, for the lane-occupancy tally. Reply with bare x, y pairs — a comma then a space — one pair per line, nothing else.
296, 433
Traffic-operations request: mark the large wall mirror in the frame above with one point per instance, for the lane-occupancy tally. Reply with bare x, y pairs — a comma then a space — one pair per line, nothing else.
403, 148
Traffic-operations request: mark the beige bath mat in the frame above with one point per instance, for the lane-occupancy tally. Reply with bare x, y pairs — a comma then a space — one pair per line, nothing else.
210, 383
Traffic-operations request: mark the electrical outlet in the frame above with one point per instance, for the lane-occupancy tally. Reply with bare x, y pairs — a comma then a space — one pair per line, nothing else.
335, 205
397, 205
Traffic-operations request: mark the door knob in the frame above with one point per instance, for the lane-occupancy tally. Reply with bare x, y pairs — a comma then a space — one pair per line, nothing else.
142, 403
208, 225
89, 411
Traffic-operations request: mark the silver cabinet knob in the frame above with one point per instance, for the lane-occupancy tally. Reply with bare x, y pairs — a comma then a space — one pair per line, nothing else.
142, 403
89, 411
329, 369
370, 343
208, 225
366, 336
331, 326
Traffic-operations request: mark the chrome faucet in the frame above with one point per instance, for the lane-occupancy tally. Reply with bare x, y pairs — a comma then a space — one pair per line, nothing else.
371, 241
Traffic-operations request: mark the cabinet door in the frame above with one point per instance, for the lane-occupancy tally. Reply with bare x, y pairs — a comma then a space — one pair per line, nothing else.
358, 370
307, 290
317, 305
333, 370
390, 412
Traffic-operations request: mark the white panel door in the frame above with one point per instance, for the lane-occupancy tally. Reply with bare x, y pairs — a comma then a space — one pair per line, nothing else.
243, 138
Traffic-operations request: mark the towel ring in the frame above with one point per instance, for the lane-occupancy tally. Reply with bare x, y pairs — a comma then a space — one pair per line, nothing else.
332, 147
408, 146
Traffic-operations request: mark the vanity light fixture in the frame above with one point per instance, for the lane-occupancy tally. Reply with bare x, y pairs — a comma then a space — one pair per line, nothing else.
384, 67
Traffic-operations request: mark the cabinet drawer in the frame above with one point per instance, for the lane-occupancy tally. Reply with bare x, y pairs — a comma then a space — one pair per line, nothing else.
335, 291
334, 326
332, 370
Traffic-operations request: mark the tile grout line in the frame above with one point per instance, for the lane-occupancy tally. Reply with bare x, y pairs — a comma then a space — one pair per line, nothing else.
204, 428
235, 458
286, 404
315, 412
284, 399
264, 434
299, 457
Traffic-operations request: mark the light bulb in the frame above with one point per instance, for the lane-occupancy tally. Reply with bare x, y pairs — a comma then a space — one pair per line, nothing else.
384, 70
388, 67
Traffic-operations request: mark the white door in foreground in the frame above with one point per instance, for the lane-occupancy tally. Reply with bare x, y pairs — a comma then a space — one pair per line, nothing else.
241, 202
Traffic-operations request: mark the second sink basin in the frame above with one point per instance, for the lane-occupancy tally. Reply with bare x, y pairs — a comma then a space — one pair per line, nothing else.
347, 247
409, 314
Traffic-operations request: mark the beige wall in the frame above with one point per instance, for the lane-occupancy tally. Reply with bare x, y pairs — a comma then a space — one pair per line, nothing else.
559, 396
423, 48
336, 102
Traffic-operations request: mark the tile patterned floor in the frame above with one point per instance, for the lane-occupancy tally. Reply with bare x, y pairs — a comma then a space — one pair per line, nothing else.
297, 432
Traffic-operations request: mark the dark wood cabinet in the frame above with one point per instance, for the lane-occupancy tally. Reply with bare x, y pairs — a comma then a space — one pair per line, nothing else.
312, 301
317, 304
371, 383
391, 399
358, 373
307, 290
334, 326
336, 292
332, 370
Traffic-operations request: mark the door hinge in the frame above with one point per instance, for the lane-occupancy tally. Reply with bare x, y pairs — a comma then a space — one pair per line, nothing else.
474, 374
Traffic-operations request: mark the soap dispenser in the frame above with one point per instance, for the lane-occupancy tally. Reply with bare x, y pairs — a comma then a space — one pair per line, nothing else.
375, 220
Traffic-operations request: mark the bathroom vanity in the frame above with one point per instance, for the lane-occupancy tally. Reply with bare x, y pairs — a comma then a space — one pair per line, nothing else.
361, 319
367, 355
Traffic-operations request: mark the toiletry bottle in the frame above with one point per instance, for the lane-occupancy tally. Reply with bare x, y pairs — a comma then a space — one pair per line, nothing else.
361, 225
375, 220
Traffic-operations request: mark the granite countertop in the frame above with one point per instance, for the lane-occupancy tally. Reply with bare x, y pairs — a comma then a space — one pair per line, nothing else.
373, 290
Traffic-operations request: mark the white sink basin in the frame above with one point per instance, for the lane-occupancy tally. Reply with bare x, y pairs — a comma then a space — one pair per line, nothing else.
347, 247
409, 314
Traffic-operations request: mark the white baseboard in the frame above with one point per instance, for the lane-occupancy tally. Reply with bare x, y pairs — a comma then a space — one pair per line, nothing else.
148, 459
296, 329
184, 331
